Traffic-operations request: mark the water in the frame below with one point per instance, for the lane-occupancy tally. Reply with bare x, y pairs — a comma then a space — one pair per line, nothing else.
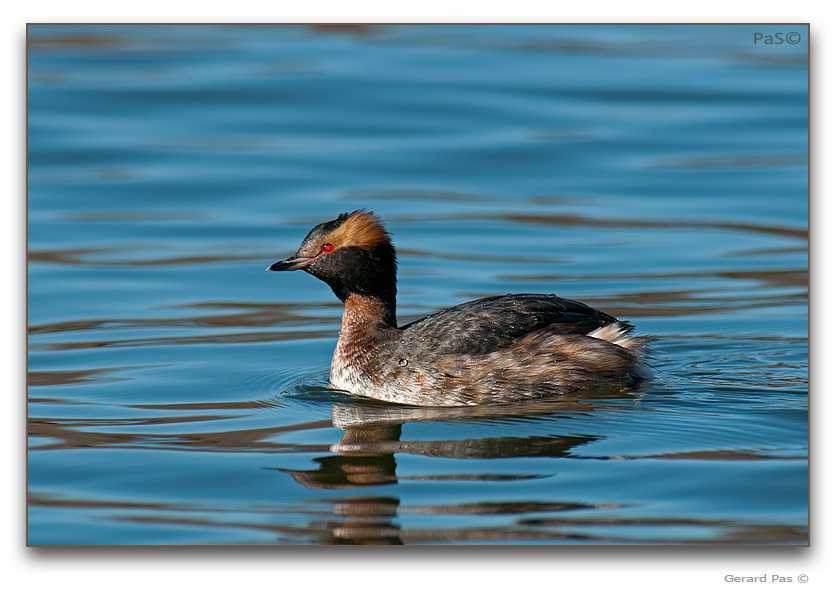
177, 392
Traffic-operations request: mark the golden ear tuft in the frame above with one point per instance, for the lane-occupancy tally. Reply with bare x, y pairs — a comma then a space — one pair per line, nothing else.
361, 229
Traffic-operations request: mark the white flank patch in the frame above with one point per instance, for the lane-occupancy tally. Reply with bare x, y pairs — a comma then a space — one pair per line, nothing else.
615, 333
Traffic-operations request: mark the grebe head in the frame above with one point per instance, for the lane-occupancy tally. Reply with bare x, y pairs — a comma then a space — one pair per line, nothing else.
353, 254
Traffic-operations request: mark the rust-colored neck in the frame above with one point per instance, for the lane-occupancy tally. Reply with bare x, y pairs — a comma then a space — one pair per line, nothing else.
364, 311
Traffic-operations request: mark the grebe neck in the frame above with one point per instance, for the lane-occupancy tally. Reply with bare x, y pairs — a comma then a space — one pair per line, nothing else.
367, 311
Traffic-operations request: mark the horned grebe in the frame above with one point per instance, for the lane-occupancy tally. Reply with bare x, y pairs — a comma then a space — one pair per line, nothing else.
493, 350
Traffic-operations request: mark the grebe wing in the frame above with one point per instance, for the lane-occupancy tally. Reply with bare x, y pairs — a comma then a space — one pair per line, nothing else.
492, 323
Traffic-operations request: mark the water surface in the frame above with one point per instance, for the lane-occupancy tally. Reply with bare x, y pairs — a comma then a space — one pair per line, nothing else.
178, 393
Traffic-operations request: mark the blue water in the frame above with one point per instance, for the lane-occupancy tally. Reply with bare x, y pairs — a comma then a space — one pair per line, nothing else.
178, 393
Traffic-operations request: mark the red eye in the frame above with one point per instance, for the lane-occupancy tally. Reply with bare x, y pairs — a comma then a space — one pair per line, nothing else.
327, 248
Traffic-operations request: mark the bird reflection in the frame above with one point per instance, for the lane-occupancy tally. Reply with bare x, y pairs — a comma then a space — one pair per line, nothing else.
365, 458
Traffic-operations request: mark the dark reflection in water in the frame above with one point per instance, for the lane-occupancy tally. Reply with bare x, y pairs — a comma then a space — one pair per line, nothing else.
365, 454
365, 458
672, 224
81, 433
372, 520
